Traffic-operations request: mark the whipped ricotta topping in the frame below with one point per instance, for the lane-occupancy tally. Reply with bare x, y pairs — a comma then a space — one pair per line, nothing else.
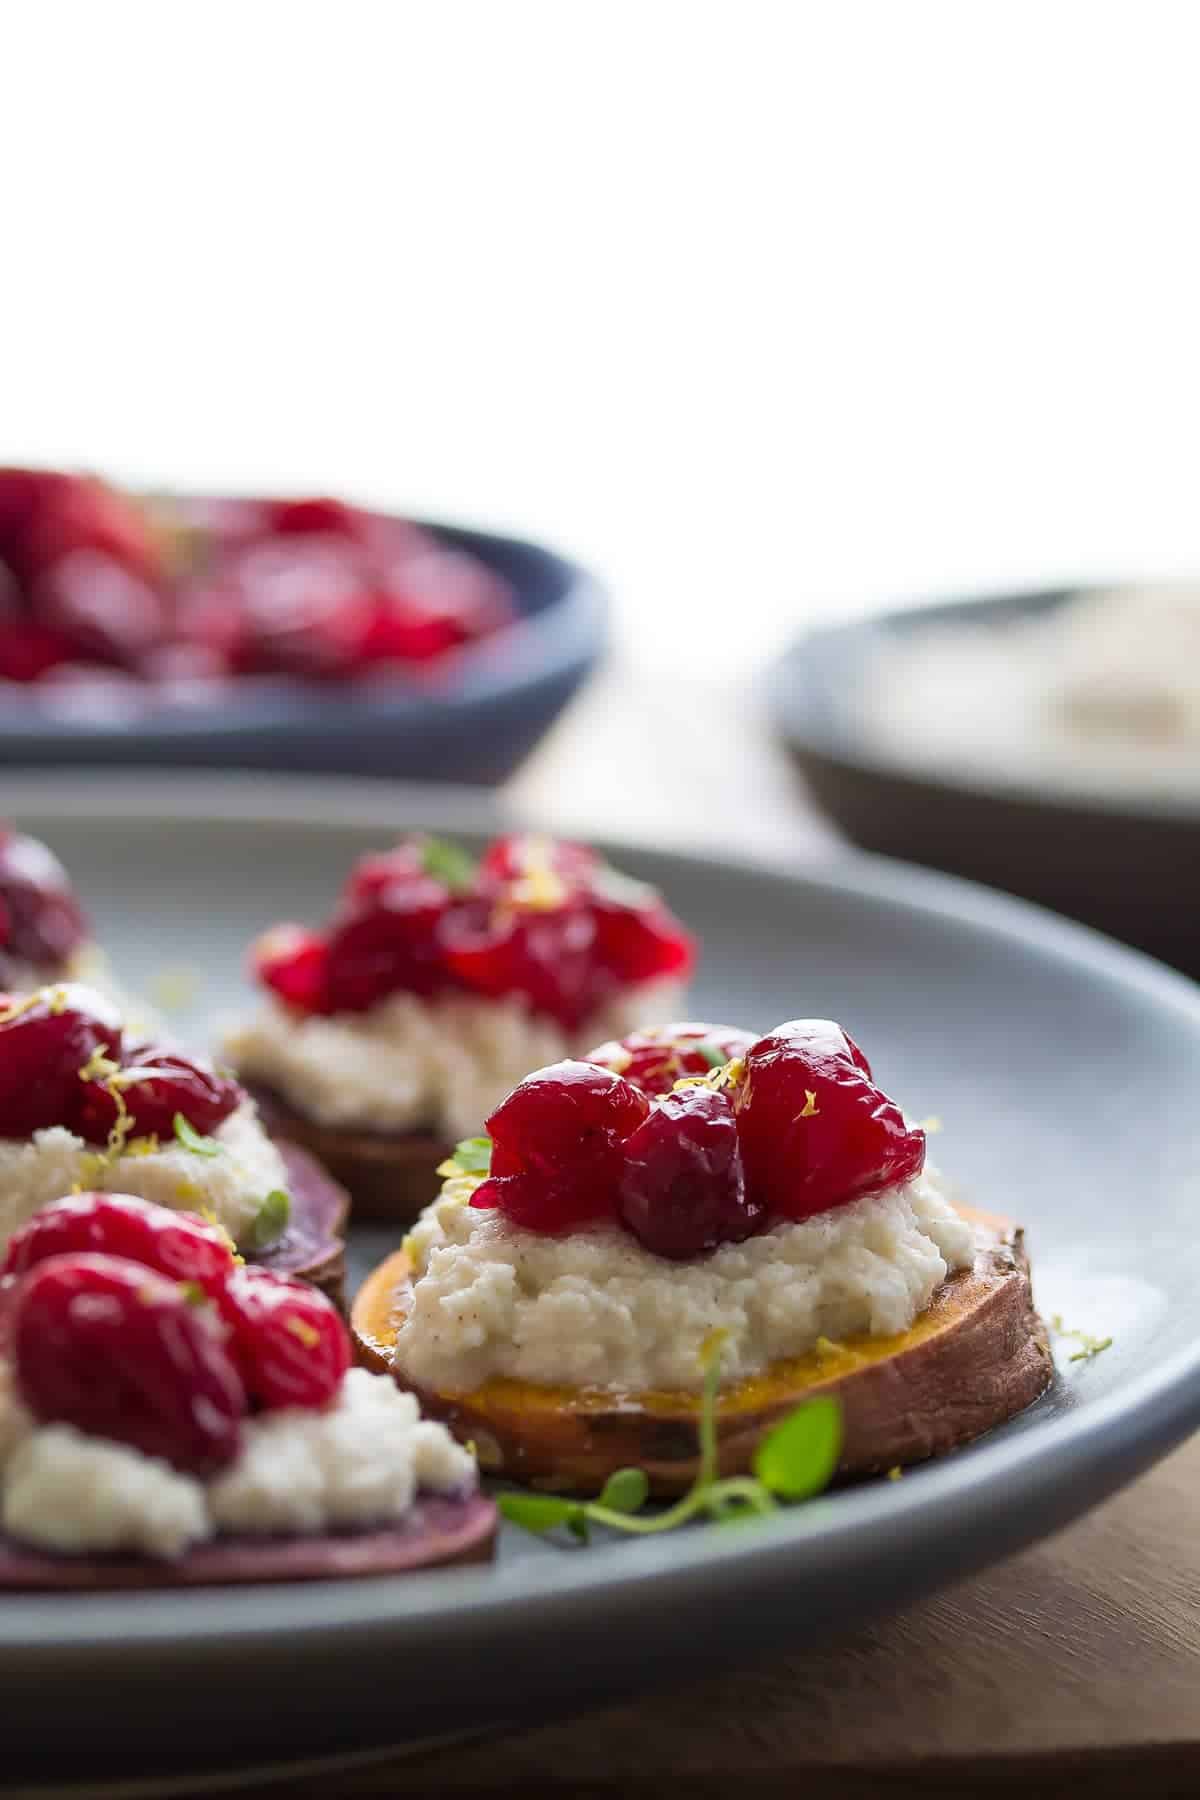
439, 1065
358, 1463
1101, 693
593, 1309
231, 1185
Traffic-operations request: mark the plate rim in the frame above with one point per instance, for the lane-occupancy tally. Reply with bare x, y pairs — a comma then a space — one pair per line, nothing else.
1091, 1451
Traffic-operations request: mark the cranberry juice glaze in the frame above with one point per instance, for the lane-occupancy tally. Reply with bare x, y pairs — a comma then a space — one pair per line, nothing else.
541, 926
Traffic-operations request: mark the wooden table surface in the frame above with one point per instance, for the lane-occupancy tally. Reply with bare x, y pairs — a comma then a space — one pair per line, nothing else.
1072, 1668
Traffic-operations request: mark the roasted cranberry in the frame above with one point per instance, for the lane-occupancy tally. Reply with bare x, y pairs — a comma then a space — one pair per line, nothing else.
155, 1085
286, 1338
642, 941
446, 589
45, 923
657, 1058
542, 953
78, 513
381, 869
104, 608
388, 943
120, 1352
682, 1188
293, 962
44, 1043
565, 1125
320, 514
306, 606
178, 1245
815, 1130
28, 650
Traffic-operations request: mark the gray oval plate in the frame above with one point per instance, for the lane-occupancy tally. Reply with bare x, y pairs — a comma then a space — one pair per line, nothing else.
1064, 1069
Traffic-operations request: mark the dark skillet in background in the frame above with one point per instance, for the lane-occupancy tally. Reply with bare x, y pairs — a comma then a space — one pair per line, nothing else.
1127, 866
476, 723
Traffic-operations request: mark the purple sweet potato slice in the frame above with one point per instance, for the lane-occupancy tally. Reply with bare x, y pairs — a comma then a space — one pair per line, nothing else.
440, 1530
312, 1245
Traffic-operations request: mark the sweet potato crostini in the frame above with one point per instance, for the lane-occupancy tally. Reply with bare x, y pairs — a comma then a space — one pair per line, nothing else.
87, 1103
170, 1416
438, 984
555, 1309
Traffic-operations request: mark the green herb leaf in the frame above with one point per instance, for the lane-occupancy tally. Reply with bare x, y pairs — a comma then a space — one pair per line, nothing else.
625, 1491
713, 1055
538, 1512
473, 1156
191, 1139
448, 864
577, 1525
799, 1457
271, 1220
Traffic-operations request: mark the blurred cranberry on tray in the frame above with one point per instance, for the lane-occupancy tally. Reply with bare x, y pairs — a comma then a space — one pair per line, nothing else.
77, 513
28, 650
103, 608
305, 604
321, 514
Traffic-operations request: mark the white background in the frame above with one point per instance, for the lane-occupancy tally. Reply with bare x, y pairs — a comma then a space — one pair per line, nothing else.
768, 310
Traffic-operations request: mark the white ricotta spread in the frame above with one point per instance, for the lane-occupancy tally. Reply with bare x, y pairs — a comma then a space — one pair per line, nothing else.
1101, 693
231, 1185
593, 1309
440, 1065
358, 1463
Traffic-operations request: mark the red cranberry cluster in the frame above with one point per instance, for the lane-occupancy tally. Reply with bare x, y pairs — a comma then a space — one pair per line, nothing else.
102, 590
41, 922
64, 1060
543, 919
136, 1323
782, 1127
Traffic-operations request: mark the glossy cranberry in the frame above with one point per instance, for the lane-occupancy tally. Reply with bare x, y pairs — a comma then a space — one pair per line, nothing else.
447, 589
44, 1042
641, 941
815, 1130
76, 513
564, 1126
320, 515
293, 962
120, 1352
287, 1339
399, 632
306, 603
544, 954
177, 1245
155, 1085
28, 650
379, 870
657, 1058
682, 1188
104, 608
44, 922
388, 943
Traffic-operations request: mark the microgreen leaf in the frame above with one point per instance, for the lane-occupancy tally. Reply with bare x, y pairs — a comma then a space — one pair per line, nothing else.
537, 1512
191, 1139
271, 1220
577, 1525
473, 1156
713, 1055
799, 1457
448, 864
625, 1491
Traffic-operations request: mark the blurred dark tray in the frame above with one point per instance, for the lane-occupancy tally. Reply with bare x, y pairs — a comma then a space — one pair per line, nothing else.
1127, 866
499, 698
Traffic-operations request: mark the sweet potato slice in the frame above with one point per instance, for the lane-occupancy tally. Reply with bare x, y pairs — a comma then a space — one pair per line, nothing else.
440, 1530
978, 1355
388, 1175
